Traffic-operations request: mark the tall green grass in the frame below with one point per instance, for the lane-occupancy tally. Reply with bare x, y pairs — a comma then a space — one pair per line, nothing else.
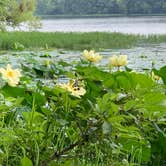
77, 41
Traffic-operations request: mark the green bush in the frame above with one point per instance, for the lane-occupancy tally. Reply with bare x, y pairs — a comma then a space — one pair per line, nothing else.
120, 120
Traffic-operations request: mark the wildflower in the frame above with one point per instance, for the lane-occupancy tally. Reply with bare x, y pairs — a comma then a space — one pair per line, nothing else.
91, 56
118, 61
73, 87
155, 77
47, 62
12, 76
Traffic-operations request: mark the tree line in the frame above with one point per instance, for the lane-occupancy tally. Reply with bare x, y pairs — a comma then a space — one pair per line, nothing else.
90, 7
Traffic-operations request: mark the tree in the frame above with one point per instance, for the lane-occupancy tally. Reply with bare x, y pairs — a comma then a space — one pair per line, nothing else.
90, 7
15, 12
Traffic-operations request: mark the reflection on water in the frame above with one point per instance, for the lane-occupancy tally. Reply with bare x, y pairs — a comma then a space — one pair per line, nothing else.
134, 25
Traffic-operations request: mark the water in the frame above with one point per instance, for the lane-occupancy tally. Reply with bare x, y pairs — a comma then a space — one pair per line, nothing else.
134, 25
139, 58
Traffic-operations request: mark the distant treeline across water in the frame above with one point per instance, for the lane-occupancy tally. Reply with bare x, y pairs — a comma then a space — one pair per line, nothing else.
92, 7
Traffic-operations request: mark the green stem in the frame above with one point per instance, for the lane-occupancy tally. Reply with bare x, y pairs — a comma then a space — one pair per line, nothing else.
38, 154
33, 111
90, 64
66, 102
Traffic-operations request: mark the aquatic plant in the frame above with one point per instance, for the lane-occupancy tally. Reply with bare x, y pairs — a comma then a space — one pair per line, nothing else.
117, 61
91, 56
80, 114
12, 76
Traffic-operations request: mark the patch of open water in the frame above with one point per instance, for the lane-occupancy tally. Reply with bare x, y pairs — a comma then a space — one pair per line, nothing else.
139, 58
134, 25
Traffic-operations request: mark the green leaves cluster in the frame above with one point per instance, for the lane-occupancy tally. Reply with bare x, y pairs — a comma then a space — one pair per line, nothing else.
119, 121
13, 13
99, 7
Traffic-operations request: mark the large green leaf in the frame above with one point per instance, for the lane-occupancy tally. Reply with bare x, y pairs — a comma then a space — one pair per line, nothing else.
162, 74
25, 161
13, 91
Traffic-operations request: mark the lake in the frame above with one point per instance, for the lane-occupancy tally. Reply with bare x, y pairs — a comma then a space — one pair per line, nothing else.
140, 58
134, 25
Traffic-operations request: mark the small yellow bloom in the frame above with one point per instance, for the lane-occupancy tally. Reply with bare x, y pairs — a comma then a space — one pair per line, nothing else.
118, 61
47, 62
155, 77
73, 88
12, 76
91, 56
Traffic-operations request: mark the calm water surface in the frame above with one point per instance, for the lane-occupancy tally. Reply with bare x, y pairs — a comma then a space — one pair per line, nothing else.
134, 25
139, 58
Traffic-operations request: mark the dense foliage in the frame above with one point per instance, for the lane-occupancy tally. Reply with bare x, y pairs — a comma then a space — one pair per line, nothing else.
76, 41
89, 7
14, 12
118, 118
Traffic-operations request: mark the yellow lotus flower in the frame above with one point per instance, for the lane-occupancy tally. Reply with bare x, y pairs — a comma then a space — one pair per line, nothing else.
73, 88
155, 77
12, 76
118, 61
91, 56
47, 62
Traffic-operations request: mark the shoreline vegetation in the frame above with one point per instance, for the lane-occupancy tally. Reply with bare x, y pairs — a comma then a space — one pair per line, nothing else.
99, 7
76, 40
96, 16
58, 113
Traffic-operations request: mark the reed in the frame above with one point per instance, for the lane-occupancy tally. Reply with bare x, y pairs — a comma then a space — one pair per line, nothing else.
75, 41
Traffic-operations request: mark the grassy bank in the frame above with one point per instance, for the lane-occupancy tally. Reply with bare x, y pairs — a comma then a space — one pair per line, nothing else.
79, 41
